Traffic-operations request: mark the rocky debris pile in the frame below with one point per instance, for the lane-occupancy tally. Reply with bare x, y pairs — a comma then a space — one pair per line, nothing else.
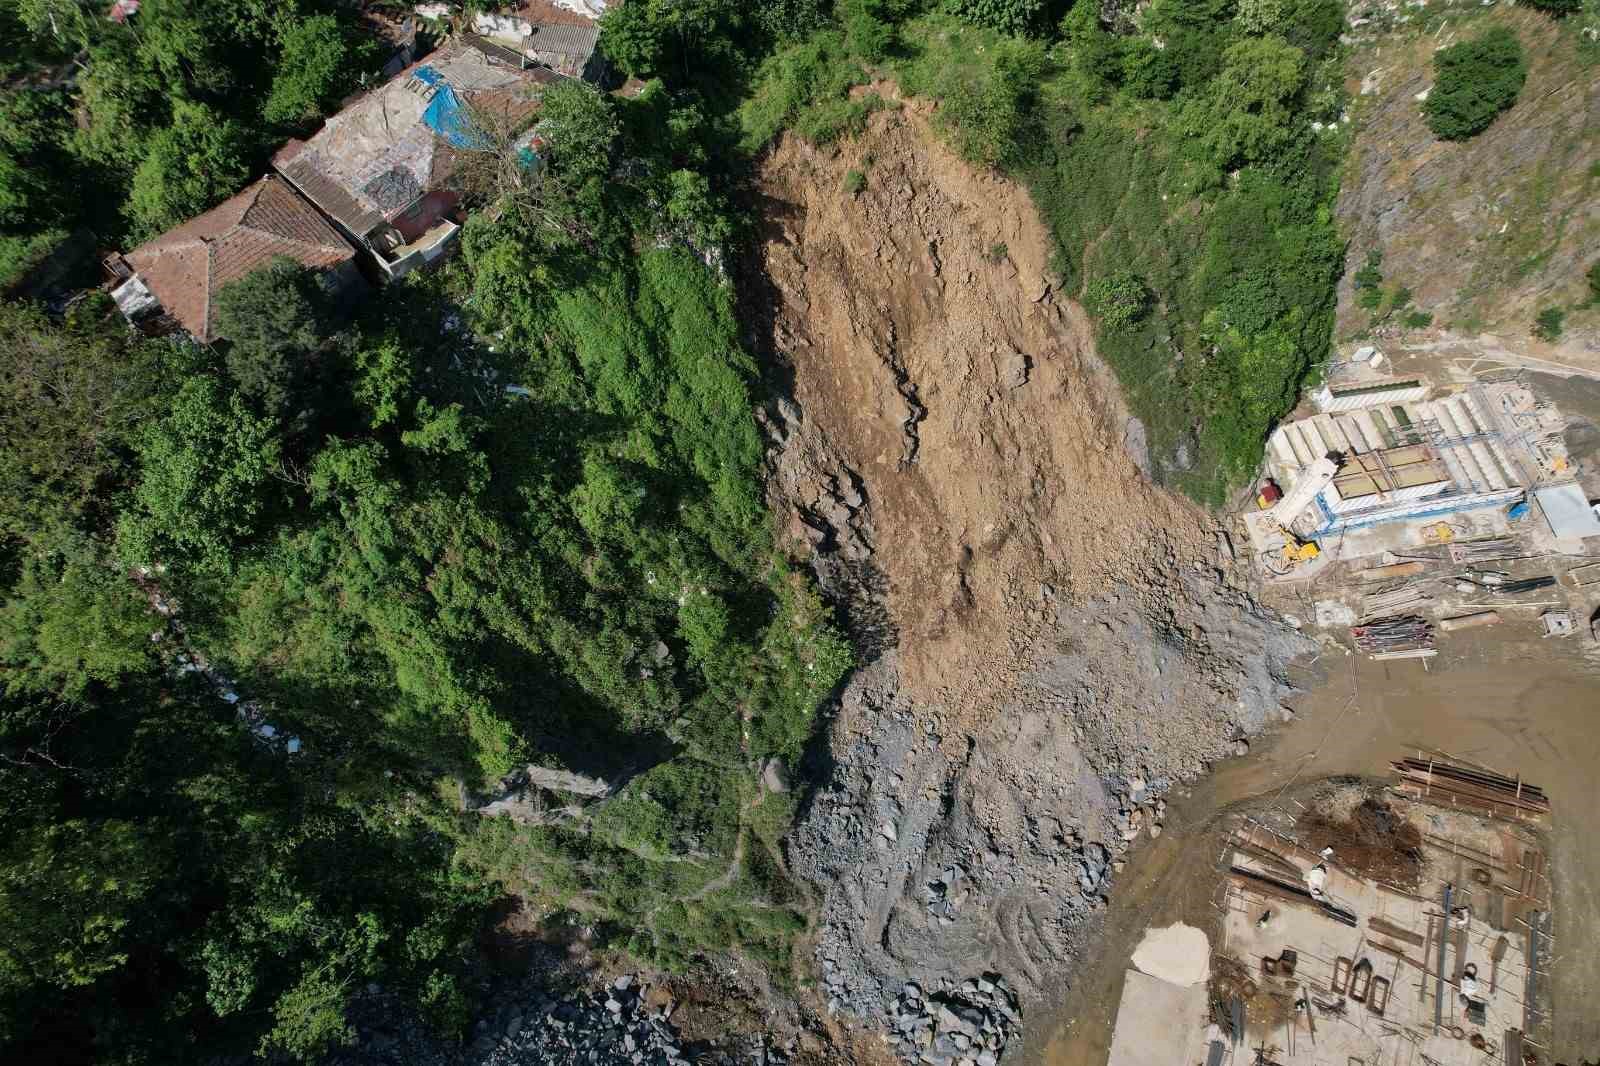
965, 1026
625, 1023
995, 847
611, 1028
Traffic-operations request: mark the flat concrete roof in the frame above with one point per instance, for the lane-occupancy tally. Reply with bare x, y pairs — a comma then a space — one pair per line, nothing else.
1567, 510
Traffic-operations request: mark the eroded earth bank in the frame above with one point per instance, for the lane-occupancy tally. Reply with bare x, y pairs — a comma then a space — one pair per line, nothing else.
1048, 641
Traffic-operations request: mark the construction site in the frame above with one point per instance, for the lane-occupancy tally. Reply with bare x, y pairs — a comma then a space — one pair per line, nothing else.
1406, 924
1403, 509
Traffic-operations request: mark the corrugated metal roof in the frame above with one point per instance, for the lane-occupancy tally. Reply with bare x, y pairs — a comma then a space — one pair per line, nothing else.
1567, 510
563, 39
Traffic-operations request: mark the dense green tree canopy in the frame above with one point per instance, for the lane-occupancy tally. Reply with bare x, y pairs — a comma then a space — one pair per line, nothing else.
275, 320
1474, 81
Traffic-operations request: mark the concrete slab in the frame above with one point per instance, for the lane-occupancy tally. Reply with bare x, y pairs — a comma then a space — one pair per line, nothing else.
1158, 1023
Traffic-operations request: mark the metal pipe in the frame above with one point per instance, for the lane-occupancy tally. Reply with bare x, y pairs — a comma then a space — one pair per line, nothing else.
1470, 621
1438, 986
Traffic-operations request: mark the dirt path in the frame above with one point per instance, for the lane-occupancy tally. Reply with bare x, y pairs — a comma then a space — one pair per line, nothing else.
1524, 706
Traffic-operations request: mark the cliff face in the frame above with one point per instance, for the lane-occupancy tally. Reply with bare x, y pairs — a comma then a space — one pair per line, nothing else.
1488, 231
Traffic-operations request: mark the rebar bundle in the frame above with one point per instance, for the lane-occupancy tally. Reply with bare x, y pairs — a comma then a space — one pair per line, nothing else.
1402, 633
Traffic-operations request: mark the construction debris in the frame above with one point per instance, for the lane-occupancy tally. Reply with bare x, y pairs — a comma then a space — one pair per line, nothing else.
1470, 621
1407, 633
1470, 788
1394, 599
1496, 583
1482, 551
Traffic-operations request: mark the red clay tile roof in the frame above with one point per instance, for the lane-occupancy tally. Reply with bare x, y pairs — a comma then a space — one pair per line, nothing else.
184, 267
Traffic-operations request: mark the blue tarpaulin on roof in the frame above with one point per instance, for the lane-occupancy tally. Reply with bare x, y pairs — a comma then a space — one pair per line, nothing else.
447, 116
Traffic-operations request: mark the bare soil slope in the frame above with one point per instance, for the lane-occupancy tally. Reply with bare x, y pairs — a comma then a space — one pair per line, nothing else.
1488, 231
1050, 641
931, 357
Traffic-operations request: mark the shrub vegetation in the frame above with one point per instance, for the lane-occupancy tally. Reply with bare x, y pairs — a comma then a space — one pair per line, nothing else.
1474, 82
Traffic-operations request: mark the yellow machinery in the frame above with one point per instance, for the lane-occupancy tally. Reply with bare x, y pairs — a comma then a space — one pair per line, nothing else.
1296, 549
1438, 533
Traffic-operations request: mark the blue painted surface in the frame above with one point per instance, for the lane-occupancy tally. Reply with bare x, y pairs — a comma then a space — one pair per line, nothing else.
1449, 505
1517, 510
447, 116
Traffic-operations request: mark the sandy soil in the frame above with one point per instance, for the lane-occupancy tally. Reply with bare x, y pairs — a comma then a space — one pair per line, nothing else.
1498, 697
963, 397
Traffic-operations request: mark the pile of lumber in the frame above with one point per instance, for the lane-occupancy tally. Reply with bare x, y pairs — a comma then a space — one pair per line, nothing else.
1394, 599
1478, 551
1471, 788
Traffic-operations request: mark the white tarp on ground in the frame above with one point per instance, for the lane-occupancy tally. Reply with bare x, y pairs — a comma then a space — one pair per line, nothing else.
593, 8
1179, 954
1567, 510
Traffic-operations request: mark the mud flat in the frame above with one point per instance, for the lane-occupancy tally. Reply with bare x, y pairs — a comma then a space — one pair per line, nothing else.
1525, 707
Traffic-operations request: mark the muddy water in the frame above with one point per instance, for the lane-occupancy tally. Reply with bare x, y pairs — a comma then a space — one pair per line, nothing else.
1501, 697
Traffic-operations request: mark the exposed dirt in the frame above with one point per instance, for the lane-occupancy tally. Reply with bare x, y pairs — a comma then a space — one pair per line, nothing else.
1487, 231
932, 360
1049, 640
1372, 839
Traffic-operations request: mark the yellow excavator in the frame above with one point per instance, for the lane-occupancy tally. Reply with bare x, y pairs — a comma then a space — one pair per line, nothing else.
1297, 549
1280, 510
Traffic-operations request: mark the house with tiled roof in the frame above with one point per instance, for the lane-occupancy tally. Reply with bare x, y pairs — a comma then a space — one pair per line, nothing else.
382, 168
173, 280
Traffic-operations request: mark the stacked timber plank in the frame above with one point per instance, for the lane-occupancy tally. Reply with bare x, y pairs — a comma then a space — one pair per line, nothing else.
1471, 788
1478, 551
1393, 600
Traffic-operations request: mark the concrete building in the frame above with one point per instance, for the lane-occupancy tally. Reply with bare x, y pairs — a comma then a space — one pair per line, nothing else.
1400, 456
559, 36
382, 169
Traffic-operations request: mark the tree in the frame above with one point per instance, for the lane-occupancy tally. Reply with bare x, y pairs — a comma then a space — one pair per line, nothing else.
648, 37
1261, 17
1550, 324
275, 319
1251, 115
66, 21
1118, 300
1016, 17
1474, 81
71, 626
581, 126
319, 64
1594, 281
866, 32
193, 164
204, 467
67, 425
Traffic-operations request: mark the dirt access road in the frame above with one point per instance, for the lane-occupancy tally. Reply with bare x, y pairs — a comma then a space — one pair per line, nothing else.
1526, 706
